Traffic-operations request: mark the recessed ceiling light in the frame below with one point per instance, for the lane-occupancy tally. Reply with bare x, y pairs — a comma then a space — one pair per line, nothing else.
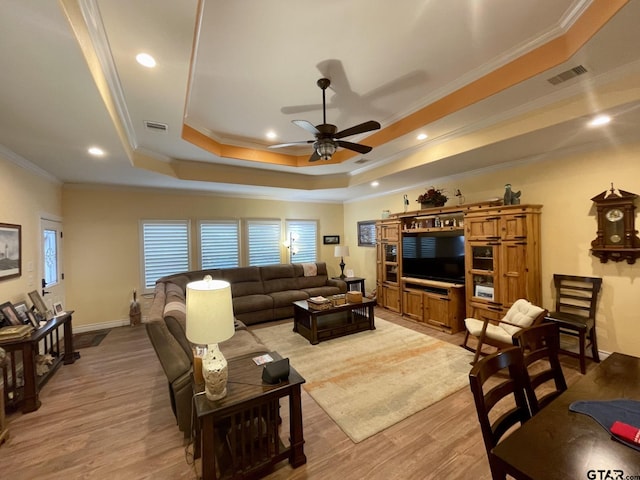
96, 151
422, 136
271, 134
375, 183
600, 120
146, 60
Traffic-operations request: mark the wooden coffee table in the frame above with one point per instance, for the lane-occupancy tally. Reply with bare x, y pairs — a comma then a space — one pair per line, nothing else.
318, 325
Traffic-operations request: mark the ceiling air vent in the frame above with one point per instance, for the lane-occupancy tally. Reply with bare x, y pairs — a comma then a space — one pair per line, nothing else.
569, 74
156, 126
363, 160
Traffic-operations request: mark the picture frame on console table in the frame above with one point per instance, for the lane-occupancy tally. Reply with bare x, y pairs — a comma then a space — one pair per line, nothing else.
41, 307
11, 253
10, 314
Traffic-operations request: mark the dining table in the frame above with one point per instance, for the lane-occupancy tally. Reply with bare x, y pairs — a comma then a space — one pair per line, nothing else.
557, 443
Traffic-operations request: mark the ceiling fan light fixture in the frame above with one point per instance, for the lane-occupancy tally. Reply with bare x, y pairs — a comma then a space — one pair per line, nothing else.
325, 148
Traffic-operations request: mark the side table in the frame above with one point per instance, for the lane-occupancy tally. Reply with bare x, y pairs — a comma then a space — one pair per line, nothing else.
356, 282
239, 434
27, 349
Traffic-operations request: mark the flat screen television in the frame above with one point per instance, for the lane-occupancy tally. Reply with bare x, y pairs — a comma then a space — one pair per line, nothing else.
433, 257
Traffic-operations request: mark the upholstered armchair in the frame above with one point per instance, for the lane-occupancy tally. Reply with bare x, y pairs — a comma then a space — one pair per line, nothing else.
499, 334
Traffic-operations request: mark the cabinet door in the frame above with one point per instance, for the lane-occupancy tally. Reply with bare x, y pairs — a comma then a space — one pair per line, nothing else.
412, 304
390, 262
514, 272
482, 227
483, 267
391, 298
514, 227
436, 309
390, 233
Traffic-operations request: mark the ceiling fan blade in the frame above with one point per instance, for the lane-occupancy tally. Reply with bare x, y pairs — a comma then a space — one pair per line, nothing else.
314, 156
363, 127
356, 147
291, 144
306, 125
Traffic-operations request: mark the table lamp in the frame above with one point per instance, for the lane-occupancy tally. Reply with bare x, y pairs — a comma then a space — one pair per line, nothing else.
341, 251
209, 322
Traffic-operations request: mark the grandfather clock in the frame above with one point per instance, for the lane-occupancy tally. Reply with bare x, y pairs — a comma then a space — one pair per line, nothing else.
616, 238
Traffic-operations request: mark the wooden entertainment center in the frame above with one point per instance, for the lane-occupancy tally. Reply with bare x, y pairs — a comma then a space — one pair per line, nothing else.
501, 262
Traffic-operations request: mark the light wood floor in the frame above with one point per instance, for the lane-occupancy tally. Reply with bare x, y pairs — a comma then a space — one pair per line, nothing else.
108, 417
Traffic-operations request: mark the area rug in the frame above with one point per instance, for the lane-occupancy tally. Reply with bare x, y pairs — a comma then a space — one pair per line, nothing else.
89, 339
371, 380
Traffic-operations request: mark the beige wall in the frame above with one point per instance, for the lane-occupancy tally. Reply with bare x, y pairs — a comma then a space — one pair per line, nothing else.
102, 241
564, 186
25, 197
102, 263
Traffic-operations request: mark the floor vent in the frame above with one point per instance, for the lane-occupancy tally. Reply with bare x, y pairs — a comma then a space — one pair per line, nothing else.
569, 74
156, 126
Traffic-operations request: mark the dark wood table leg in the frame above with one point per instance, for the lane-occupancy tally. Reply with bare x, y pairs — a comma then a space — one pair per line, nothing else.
372, 323
208, 456
297, 456
69, 355
30, 400
314, 328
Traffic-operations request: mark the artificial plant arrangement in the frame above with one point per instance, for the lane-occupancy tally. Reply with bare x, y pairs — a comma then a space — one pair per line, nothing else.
433, 197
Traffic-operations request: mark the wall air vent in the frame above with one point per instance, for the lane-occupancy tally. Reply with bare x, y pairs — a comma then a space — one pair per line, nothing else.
156, 126
569, 74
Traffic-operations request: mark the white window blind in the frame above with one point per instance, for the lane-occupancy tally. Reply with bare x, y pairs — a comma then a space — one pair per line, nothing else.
219, 244
306, 240
263, 238
165, 246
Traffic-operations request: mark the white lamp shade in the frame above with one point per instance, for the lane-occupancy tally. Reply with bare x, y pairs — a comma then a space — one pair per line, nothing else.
209, 311
341, 251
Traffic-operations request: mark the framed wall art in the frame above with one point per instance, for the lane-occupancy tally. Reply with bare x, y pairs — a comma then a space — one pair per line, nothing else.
10, 251
367, 233
331, 239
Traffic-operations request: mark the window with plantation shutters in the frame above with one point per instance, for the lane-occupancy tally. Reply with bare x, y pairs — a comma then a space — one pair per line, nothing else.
219, 244
263, 242
165, 249
303, 237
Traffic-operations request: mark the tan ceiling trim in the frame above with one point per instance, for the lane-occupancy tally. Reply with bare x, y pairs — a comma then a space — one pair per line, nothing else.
546, 56
208, 172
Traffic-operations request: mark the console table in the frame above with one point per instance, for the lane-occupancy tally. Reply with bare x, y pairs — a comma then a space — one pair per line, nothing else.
239, 434
25, 350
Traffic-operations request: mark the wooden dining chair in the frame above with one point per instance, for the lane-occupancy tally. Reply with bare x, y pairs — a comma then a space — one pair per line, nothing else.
575, 312
540, 346
508, 394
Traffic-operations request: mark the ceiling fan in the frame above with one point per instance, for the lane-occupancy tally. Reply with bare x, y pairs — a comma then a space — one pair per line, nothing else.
328, 139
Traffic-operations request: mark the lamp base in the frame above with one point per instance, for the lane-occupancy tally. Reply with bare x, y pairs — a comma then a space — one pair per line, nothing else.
342, 275
215, 373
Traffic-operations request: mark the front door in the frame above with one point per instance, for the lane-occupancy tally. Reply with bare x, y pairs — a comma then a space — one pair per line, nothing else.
50, 269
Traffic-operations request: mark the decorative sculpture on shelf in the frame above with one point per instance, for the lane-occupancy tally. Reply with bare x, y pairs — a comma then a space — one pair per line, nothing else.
511, 197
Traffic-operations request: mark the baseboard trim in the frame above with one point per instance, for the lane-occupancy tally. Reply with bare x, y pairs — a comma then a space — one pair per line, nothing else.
99, 326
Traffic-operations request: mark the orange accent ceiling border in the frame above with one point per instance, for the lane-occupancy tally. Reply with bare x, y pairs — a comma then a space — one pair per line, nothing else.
540, 59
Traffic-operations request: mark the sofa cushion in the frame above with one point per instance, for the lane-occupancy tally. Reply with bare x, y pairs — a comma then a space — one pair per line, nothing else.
278, 278
286, 298
318, 280
251, 303
242, 343
325, 291
243, 280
